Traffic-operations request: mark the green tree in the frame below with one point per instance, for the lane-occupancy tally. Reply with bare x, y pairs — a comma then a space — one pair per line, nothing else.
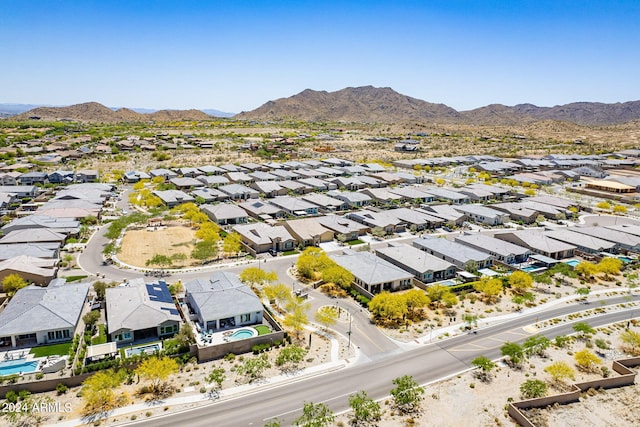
326, 315
296, 317
587, 270
257, 276
603, 205
232, 243
13, 283
91, 318
485, 365
290, 357
407, 394
253, 368
279, 292
388, 308
338, 275
490, 288
185, 336
632, 340
100, 289
610, 266
99, 392
159, 259
205, 250
560, 372
311, 262
531, 389
536, 345
583, 329
441, 295
586, 360
315, 415
217, 377
416, 300
208, 232
619, 209
273, 423
157, 370
520, 282
513, 351
365, 410
176, 288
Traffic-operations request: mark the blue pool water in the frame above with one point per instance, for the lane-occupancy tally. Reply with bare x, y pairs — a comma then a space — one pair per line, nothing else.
529, 268
572, 262
625, 259
146, 349
242, 334
10, 367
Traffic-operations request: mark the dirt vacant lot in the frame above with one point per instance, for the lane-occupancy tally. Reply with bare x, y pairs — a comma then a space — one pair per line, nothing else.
139, 246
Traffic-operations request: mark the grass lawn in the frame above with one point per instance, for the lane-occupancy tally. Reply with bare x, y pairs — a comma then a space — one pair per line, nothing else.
51, 350
354, 242
291, 252
102, 335
262, 329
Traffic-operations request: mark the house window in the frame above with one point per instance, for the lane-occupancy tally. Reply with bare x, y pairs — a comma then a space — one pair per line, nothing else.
245, 318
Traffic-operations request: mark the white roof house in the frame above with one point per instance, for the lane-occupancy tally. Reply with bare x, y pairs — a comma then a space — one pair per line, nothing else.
372, 273
138, 310
222, 301
465, 257
425, 267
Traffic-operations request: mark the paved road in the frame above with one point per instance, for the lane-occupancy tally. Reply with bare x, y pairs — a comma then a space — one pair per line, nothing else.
425, 364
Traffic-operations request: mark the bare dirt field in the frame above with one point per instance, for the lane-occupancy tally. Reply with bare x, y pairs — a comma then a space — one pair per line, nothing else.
139, 246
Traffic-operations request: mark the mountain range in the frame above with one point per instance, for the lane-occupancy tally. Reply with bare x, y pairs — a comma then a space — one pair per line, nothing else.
95, 112
366, 104
384, 105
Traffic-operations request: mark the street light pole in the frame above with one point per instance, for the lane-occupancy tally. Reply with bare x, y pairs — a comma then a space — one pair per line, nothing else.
349, 333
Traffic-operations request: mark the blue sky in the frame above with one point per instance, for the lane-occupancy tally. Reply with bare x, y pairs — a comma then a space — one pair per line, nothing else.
236, 55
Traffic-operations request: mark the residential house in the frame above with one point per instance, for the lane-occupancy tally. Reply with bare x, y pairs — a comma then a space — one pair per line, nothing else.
59, 225
294, 206
325, 203
186, 183
173, 198
446, 195
34, 250
33, 235
222, 301
340, 225
239, 192
413, 194
263, 176
308, 232
353, 199
87, 175
538, 243
138, 311
261, 210
389, 223
373, 274
501, 250
32, 178
464, 257
209, 195
10, 178
517, 212
211, 170
189, 172
382, 196
21, 191
164, 173
295, 187
262, 238
225, 213
134, 176
38, 315
213, 180
35, 270
483, 214
448, 214
239, 177
269, 188
424, 267
60, 177
346, 183
318, 184
624, 241
583, 242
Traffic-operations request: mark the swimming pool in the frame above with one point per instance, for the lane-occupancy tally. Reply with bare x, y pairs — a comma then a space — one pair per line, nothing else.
9, 367
572, 262
625, 259
242, 334
146, 349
